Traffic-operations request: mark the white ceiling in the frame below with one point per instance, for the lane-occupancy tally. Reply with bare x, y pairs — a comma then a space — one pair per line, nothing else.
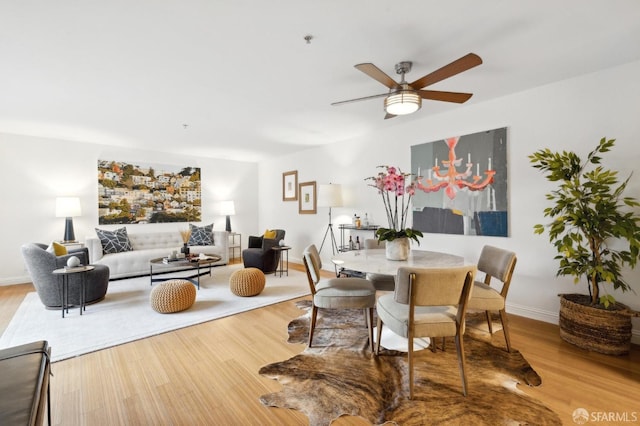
241, 76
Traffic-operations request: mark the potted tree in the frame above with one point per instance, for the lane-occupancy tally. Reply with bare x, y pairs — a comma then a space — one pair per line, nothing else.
596, 233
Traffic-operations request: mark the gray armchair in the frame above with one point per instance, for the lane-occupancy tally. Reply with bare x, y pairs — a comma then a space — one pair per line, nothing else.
40, 264
259, 254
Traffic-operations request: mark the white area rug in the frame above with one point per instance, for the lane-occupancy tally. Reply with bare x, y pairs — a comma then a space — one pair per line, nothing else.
126, 315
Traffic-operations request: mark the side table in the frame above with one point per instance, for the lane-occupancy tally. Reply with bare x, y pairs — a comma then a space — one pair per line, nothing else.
284, 264
64, 274
235, 245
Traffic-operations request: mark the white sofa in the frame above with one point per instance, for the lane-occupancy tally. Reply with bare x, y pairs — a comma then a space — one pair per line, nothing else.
148, 246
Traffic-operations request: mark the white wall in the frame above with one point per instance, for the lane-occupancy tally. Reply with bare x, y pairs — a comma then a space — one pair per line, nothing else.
572, 114
35, 171
568, 115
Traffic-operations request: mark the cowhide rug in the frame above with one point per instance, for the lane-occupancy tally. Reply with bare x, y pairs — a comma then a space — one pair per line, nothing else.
339, 376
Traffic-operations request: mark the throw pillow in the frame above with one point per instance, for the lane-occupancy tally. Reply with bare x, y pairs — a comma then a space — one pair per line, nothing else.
114, 241
201, 235
57, 249
270, 234
255, 242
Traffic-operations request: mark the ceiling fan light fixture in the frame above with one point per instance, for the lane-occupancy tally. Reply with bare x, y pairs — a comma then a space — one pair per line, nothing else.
402, 102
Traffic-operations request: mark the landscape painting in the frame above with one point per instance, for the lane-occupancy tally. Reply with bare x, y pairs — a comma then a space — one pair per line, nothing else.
131, 193
461, 184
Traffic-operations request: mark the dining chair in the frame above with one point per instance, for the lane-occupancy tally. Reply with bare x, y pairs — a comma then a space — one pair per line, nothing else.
381, 282
428, 302
499, 264
337, 293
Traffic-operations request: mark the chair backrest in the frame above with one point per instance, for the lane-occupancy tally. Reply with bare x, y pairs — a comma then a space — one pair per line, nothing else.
431, 286
373, 243
313, 264
279, 234
497, 263
39, 263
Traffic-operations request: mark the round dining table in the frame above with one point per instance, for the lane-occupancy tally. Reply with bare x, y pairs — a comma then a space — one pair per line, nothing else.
374, 261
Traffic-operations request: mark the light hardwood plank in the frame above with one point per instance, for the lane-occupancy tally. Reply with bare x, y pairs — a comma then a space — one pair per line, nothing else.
207, 374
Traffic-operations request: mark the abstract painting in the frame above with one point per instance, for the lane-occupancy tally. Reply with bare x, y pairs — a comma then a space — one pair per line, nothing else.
461, 184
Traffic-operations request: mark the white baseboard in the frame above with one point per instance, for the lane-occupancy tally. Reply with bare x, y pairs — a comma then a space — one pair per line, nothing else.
15, 280
552, 317
533, 313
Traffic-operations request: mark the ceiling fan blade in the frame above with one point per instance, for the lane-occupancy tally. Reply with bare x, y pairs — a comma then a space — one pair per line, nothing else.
436, 95
366, 98
377, 74
456, 67
386, 117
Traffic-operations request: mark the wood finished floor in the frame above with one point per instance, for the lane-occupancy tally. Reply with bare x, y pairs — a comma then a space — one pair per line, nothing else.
207, 374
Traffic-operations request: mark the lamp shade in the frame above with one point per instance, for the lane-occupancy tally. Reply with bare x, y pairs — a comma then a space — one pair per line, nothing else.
227, 208
402, 102
330, 195
68, 207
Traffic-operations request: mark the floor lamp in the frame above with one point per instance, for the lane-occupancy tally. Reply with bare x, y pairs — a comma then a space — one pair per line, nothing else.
330, 196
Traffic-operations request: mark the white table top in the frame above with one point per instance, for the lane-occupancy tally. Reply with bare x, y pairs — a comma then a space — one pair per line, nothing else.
76, 269
375, 261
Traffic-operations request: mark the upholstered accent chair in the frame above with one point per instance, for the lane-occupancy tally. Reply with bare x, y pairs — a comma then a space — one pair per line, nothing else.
382, 282
337, 293
40, 265
499, 264
428, 302
259, 254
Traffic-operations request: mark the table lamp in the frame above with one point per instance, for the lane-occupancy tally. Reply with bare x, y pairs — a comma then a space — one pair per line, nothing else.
68, 207
227, 208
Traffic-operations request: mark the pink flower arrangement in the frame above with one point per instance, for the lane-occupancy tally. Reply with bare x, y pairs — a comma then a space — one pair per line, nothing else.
396, 196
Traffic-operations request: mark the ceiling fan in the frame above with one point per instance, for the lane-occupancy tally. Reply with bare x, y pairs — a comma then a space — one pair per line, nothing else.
406, 98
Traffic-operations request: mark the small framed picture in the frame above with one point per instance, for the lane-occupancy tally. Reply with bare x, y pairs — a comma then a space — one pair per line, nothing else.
307, 200
290, 186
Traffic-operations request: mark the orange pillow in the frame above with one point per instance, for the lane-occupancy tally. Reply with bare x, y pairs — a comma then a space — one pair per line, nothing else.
270, 234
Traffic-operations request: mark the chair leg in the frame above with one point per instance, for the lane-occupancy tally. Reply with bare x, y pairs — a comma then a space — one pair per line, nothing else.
379, 337
505, 328
432, 344
369, 315
488, 314
461, 363
410, 356
312, 324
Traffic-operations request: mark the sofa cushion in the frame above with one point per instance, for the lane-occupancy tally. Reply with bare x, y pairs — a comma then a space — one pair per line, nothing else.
114, 241
201, 235
57, 249
270, 234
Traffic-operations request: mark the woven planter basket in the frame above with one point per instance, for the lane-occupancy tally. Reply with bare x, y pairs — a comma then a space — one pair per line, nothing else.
599, 330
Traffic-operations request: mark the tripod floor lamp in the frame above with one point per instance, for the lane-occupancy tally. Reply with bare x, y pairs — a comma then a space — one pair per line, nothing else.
330, 196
